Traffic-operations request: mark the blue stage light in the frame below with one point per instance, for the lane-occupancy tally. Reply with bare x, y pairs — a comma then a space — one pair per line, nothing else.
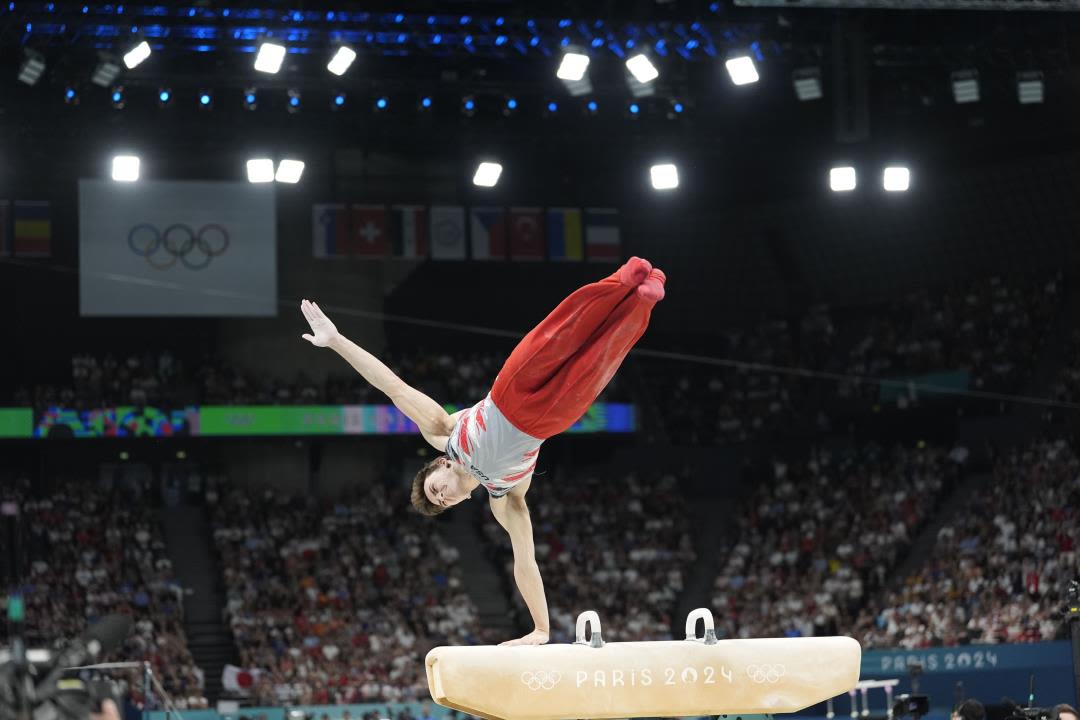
465, 19
339, 99
634, 108
164, 96
500, 21
511, 104
399, 18
204, 99
470, 105
117, 96
593, 107
500, 40
426, 102
382, 103
69, 94
534, 41
677, 107
553, 107
436, 39
597, 42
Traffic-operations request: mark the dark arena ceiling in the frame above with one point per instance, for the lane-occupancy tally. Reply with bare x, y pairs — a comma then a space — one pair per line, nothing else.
886, 73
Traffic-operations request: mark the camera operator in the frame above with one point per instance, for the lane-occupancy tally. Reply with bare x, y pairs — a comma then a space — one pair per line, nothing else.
970, 709
1064, 712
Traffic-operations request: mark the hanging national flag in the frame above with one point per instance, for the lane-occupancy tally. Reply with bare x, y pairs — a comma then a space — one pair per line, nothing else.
603, 242
238, 680
564, 234
410, 231
369, 236
33, 229
526, 233
329, 230
488, 232
448, 232
5, 228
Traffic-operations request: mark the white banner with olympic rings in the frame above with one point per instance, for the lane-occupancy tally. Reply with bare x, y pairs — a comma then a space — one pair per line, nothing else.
177, 248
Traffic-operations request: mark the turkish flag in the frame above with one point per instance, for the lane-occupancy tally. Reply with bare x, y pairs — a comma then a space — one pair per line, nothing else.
526, 234
369, 233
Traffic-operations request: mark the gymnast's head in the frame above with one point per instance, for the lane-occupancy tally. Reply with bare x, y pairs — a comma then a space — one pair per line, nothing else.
439, 485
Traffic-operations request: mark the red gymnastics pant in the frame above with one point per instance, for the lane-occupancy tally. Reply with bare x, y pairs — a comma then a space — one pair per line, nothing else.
558, 370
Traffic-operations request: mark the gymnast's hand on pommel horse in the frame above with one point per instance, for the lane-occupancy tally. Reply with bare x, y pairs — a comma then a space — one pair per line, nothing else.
547, 384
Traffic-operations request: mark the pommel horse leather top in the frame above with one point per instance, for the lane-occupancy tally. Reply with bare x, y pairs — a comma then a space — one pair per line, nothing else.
594, 679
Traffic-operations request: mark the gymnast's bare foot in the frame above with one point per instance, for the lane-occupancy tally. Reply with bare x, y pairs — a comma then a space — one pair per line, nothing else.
653, 287
634, 272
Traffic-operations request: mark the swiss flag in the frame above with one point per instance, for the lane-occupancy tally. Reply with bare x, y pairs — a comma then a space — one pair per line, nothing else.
369, 231
526, 234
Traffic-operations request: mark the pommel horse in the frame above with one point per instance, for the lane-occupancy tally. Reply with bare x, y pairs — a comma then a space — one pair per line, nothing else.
591, 678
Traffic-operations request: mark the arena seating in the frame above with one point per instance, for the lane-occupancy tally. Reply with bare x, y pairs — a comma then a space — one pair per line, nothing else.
160, 378
1000, 562
338, 601
620, 546
79, 569
991, 328
819, 535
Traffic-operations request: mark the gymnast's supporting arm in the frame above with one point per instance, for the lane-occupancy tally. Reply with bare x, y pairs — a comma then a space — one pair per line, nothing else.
435, 423
513, 514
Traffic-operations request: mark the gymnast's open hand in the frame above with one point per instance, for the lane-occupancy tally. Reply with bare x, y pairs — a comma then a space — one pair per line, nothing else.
324, 331
536, 637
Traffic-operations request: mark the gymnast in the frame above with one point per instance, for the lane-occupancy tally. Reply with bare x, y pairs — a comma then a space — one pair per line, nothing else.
547, 384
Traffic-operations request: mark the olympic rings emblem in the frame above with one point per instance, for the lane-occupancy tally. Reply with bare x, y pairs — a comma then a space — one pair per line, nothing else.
193, 249
765, 673
541, 679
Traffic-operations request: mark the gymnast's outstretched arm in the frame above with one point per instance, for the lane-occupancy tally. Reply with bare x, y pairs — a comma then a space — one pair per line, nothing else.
435, 423
513, 514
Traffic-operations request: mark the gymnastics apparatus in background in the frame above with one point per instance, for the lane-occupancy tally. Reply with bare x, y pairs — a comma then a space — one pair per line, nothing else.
693, 677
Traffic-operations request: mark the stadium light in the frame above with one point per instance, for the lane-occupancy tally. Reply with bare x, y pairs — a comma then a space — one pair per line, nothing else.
134, 56
106, 71
487, 174
965, 86
341, 61
260, 170
289, 171
642, 68
842, 179
742, 70
664, 177
897, 179
1029, 87
573, 67
32, 67
807, 83
293, 105
270, 57
125, 168
250, 98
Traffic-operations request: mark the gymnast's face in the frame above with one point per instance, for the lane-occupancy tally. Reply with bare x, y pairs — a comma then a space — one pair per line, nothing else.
447, 485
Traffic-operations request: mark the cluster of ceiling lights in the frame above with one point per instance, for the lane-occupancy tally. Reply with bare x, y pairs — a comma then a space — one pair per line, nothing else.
894, 179
126, 168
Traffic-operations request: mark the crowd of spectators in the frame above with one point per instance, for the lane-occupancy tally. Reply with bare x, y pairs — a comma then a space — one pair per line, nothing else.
621, 547
161, 379
992, 329
337, 601
79, 568
1000, 564
752, 391
817, 536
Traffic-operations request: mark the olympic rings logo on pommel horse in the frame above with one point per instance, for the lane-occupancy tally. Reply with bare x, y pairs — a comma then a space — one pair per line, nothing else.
541, 679
765, 673
179, 242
